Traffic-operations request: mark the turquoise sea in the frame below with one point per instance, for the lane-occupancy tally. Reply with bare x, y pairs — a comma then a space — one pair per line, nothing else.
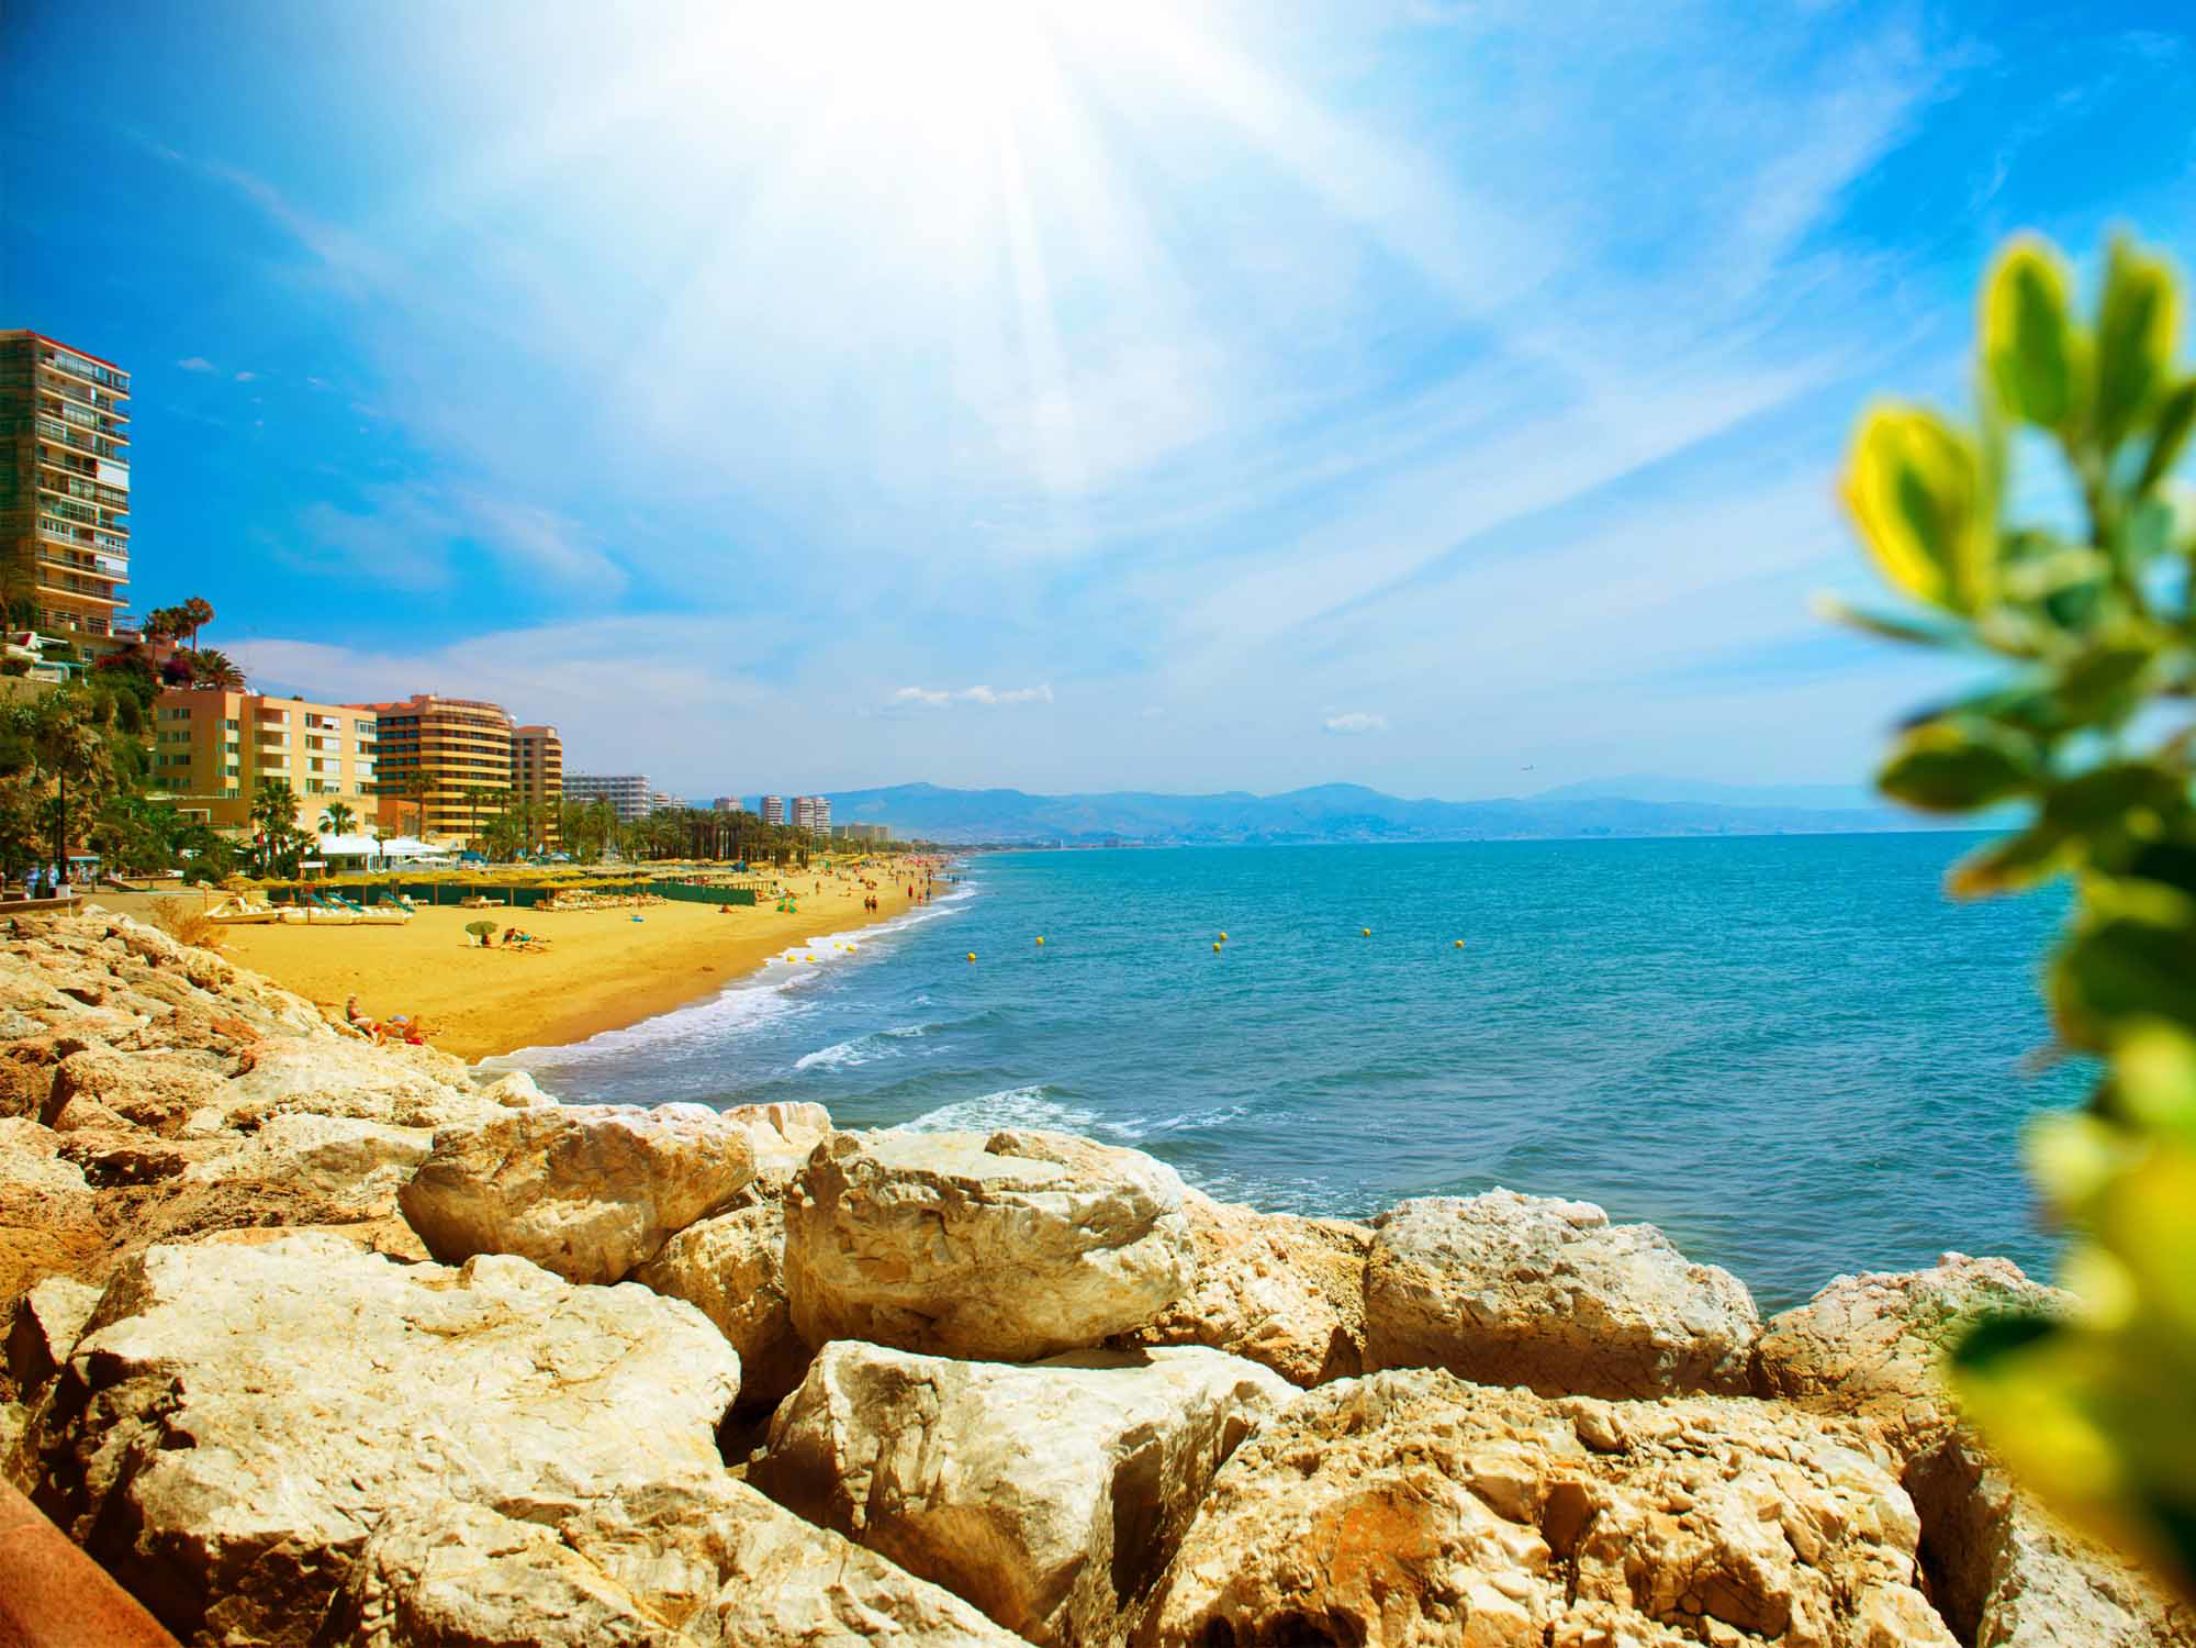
1792, 1053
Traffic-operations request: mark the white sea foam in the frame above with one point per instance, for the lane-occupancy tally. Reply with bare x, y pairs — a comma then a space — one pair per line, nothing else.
1190, 1121
1024, 1107
844, 1055
739, 1006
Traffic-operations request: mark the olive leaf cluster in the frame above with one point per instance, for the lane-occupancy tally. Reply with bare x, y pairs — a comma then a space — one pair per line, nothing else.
2050, 535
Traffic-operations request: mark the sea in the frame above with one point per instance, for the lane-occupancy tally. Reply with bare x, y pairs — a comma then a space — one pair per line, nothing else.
1792, 1053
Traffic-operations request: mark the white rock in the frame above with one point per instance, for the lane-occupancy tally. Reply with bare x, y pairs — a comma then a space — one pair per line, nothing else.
1504, 1289
1014, 1246
1285, 1291
732, 1269
1409, 1508
700, 1563
238, 1419
1049, 1495
588, 1191
49, 1319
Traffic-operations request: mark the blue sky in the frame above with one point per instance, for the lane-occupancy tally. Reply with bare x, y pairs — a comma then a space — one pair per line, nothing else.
1046, 394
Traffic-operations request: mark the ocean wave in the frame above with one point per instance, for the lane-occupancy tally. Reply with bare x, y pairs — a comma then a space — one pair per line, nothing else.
844, 1055
1189, 1121
1023, 1107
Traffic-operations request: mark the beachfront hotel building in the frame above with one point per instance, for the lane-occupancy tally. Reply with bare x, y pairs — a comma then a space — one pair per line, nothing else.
628, 793
537, 777
772, 809
868, 835
64, 491
213, 750
445, 764
812, 813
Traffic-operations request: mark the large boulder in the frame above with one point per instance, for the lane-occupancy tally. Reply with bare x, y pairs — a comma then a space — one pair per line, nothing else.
1870, 1348
236, 1420
1287, 1292
1409, 1508
784, 1133
1049, 1495
331, 1074
588, 1191
1504, 1289
704, 1562
1012, 1246
732, 1269
341, 1165
48, 1321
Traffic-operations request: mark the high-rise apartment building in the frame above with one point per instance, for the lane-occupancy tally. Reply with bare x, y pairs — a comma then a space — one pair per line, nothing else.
812, 813
727, 804
868, 835
445, 764
64, 489
537, 777
773, 809
213, 750
628, 793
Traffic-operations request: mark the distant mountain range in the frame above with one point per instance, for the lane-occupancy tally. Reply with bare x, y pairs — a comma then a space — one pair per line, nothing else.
1351, 812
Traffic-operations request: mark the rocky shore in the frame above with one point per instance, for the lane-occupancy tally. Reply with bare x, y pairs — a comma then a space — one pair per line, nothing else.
314, 1342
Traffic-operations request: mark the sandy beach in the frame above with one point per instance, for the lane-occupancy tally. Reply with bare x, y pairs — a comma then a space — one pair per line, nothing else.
602, 970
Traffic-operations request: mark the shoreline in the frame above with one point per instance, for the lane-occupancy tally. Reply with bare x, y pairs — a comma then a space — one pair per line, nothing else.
601, 971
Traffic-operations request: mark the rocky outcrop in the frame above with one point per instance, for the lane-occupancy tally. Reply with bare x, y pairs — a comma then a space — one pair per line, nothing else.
147, 1092
1504, 1289
588, 1191
699, 1563
732, 1269
49, 1320
1013, 1246
238, 1419
2005, 1574
1285, 1291
783, 1134
1411, 1508
1049, 1495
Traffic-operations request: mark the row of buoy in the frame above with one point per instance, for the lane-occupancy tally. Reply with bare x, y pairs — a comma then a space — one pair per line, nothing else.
1365, 932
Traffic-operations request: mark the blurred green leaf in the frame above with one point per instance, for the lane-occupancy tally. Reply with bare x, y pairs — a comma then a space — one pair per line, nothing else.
2105, 682
2136, 327
2122, 970
2176, 418
1957, 766
1890, 626
2010, 865
2030, 342
1914, 485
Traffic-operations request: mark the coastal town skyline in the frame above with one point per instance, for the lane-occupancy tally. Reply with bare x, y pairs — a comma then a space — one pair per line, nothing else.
1295, 441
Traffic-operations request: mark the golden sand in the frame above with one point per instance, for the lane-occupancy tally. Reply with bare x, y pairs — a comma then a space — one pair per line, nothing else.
602, 970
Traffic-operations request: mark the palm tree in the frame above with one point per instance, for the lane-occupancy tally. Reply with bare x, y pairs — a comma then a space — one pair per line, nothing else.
274, 810
196, 613
217, 670
337, 819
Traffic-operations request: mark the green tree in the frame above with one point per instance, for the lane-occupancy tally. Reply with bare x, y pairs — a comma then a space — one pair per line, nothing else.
2087, 610
274, 816
67, 740
215, 670
337, 819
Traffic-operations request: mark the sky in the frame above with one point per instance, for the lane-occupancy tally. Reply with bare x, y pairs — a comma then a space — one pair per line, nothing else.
1442, 395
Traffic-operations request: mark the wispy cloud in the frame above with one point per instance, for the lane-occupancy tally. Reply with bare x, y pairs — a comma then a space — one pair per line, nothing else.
197, 363
1355, 723
939, 698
